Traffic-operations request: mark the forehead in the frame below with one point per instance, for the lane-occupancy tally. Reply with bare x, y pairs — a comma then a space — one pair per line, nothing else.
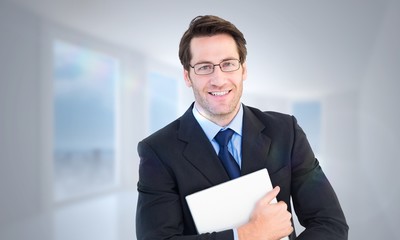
213, 48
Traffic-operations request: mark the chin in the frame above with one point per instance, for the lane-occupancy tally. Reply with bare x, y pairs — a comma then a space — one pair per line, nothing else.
222, 111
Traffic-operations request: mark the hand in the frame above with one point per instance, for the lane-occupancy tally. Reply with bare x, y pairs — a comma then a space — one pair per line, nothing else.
269, 221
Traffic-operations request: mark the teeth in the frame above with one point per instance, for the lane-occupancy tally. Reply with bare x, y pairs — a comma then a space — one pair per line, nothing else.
219, 93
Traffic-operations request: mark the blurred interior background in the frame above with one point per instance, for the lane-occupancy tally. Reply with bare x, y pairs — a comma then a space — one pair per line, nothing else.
81, 82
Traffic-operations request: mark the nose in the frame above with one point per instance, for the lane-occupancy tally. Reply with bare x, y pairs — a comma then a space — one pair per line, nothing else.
217, 77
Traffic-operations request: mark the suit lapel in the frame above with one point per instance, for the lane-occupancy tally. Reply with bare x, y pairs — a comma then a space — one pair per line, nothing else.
255, 144
199, 151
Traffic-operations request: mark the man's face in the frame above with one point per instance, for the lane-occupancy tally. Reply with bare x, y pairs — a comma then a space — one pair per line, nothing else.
218, 94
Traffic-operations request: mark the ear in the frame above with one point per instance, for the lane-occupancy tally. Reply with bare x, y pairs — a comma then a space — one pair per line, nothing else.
244, 73
186, 76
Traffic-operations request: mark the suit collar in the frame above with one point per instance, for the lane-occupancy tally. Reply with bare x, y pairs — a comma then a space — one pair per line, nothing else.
255, 143
211, 129
199, 151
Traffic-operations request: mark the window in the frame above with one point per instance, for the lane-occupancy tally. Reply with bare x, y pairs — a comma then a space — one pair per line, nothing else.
84, 120
163, 100
308, 115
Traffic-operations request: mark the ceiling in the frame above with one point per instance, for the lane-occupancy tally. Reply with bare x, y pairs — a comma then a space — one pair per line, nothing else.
299, 49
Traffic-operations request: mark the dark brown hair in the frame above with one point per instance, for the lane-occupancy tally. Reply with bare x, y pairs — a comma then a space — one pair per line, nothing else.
209, 25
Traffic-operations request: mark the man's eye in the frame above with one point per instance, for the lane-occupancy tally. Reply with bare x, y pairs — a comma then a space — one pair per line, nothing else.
227, 64
205, 67
230, 64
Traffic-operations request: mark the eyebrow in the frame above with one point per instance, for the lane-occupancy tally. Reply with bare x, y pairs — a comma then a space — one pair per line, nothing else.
209, 62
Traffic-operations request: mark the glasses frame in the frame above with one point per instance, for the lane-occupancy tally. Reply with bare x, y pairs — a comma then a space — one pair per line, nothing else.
214, 65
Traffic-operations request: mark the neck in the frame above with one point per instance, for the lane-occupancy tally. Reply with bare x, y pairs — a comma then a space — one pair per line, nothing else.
221, 120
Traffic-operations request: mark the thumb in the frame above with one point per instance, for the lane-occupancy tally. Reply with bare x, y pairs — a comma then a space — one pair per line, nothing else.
271, 195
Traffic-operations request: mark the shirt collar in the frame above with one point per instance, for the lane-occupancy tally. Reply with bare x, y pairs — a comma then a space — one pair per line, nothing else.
211, 129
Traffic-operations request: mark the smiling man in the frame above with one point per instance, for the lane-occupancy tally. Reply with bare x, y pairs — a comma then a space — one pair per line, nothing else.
219, 139
217, 90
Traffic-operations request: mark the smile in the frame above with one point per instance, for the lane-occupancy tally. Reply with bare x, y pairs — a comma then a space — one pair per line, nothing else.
219, 93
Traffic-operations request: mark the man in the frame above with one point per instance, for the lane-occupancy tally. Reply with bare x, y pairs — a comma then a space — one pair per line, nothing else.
183, 157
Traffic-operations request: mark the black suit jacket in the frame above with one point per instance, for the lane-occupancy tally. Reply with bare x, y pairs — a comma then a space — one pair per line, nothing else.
179, 160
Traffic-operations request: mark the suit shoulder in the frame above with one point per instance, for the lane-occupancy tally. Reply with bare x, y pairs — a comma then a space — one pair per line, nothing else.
164, 134
272, 117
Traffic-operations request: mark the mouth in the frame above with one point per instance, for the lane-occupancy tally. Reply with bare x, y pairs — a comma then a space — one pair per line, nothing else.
219, 93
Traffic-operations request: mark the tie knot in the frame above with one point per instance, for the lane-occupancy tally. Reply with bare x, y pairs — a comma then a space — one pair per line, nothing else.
223, 137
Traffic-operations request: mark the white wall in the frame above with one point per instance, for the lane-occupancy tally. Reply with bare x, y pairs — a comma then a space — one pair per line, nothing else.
20, 182
26, 202
379, 134
361, 136
23, 206
266, 102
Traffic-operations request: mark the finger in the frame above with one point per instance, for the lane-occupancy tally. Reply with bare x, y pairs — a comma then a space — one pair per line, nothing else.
270, 195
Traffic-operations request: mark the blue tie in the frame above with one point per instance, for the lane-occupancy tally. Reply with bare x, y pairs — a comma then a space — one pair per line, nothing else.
231, 166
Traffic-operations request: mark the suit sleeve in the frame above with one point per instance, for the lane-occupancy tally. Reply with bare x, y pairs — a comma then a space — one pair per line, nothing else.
315, 202
159, 209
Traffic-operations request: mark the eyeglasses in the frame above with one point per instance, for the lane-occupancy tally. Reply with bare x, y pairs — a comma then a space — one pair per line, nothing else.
208, 68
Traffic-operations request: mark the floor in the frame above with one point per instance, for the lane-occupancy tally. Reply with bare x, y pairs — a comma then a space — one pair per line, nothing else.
109, 217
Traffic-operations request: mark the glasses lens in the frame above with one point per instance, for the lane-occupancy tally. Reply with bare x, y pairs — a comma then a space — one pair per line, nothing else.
203, 68
229, 65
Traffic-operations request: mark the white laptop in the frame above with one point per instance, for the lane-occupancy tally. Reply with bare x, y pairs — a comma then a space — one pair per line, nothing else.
228, 205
